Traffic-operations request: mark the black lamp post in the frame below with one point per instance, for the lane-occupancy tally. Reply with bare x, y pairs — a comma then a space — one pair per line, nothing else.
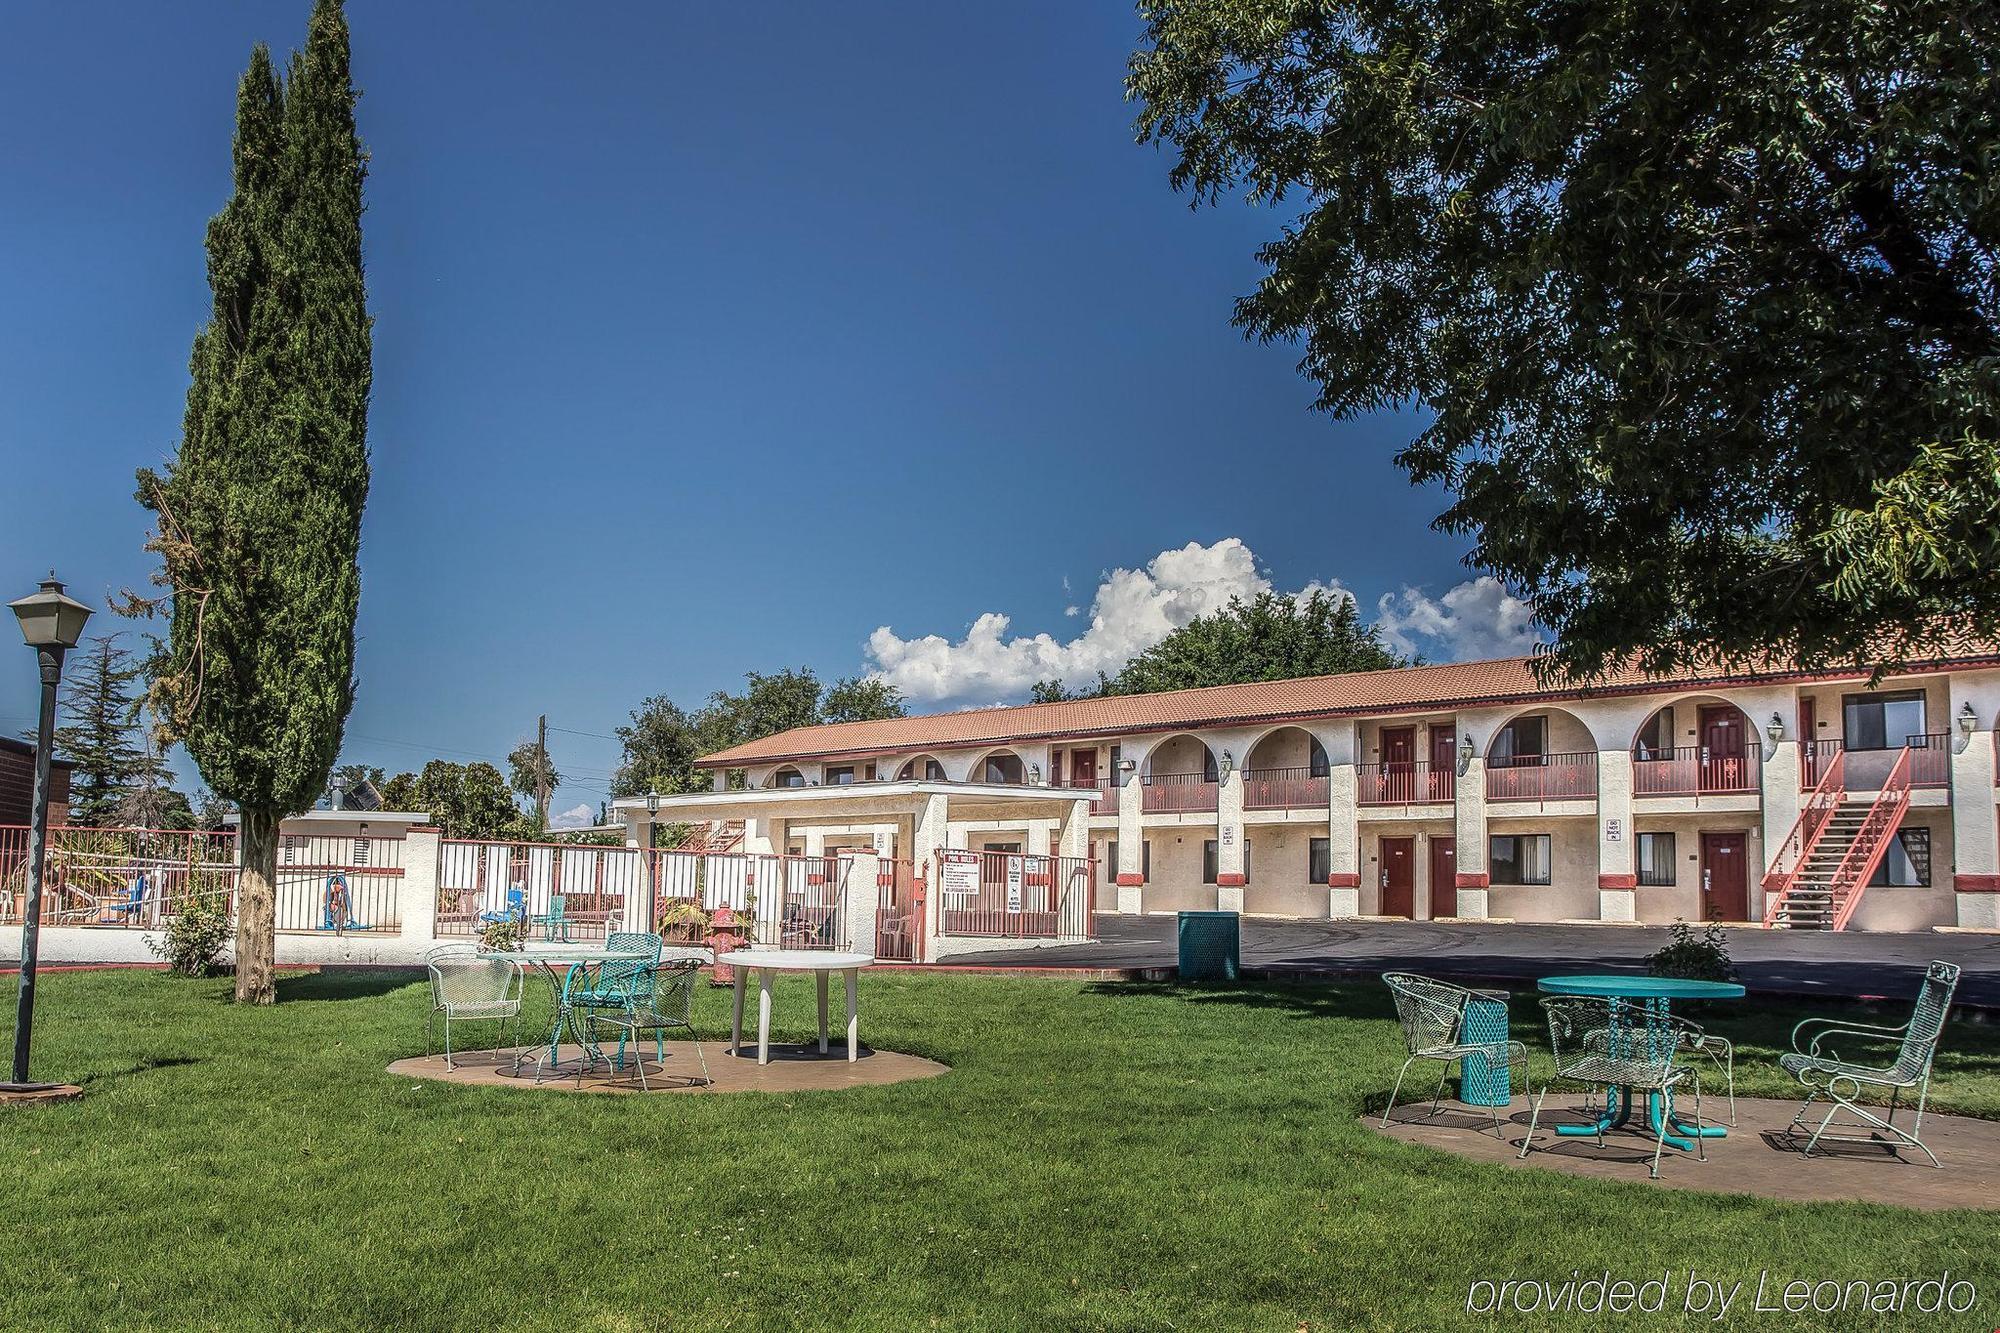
51, 623
652, 860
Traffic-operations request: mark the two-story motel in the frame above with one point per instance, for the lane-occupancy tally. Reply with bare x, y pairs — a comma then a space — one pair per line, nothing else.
1457, 791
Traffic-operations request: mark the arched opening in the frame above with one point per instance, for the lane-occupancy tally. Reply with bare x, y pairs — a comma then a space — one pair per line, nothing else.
922, 767
1541, 755
1285, 770
1002, 768
1181, 775
787, 777
1698, 745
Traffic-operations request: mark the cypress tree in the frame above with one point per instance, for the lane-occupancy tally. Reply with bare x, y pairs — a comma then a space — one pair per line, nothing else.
100, 710
259, 513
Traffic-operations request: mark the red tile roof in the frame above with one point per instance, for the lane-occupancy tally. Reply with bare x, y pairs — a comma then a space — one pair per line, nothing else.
1400, 690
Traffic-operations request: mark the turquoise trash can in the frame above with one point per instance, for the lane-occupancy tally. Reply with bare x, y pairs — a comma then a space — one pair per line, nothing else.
1209, 946
1481, 1082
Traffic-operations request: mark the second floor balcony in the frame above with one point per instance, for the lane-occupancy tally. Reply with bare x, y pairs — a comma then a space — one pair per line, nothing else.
1865, 770
1543, 777
1415, 783
1695, 770
1284, 789
1177, 793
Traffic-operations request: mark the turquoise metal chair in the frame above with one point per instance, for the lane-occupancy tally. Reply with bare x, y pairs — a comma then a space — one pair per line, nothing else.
662, 999
622, 982
554, 921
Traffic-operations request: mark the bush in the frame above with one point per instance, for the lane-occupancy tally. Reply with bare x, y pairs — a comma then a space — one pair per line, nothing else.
501, 936
1691, 959
194, 939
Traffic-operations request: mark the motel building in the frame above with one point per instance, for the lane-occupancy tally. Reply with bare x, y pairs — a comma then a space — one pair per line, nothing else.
1461, 791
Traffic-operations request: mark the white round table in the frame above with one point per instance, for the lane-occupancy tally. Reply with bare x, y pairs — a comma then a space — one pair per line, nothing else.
822, 963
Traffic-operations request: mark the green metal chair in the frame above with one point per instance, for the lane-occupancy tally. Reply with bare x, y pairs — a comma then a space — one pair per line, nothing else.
465, 986
553, 921
662, 1000
1839, 1081
1621, 1048
619, 982
1432, 1015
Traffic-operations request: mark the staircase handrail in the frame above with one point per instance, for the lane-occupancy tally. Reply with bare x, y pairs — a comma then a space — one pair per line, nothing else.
1871, 842
1819, 807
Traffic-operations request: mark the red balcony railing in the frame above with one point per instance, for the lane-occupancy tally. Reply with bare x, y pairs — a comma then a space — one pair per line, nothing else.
1930, 762
1107, 799
1406, 784
1283, 789
1178, 792
1542, 777
1694, 770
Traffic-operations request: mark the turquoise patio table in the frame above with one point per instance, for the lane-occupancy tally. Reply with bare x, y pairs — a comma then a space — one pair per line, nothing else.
1655, 995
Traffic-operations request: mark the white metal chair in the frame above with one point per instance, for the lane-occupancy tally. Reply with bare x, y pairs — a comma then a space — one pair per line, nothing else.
465, 987
1612, 1044
1432, 1015
1841, 1082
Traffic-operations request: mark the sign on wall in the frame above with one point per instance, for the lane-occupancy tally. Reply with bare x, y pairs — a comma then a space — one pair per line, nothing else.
1614, 830
1014, 866
958, 875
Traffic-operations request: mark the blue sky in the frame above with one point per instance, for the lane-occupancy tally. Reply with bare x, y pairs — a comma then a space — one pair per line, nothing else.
708, 339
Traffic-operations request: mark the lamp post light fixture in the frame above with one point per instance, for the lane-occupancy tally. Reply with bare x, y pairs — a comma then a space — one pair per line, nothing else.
51, 624
652, 857
1968, 721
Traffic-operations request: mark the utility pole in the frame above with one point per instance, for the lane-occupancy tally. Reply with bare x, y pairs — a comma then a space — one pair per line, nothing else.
542, 771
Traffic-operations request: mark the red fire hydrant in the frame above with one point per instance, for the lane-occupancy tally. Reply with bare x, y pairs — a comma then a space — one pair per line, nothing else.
724, 934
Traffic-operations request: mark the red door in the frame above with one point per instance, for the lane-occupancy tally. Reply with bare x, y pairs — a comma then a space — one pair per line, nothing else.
1083, 768
1722, 760
1444, 877
1399, 882
1725, 878
1399, 763
1808, 743
1443, 779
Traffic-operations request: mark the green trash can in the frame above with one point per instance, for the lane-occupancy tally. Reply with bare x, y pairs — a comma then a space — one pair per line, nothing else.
1208, 946
1482, 1082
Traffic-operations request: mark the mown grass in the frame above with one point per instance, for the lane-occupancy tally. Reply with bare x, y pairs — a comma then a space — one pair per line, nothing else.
1125, 1157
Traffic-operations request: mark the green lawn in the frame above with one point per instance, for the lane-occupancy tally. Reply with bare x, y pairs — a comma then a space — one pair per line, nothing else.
1099, 1157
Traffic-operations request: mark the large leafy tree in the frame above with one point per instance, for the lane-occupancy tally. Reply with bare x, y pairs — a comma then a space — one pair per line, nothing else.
1697, 300
860, 699
1267, 638
663, 740
533, 774
466, 800
259, 513
100, 732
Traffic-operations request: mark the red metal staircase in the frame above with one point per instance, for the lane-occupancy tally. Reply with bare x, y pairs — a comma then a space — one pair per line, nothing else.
1822, 868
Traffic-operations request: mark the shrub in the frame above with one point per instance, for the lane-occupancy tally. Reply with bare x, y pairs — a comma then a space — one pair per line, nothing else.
501, 936
195, 937
1704, 959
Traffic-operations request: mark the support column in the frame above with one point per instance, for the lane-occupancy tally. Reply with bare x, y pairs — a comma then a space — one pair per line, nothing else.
927, 834
1343, 842
1469, 830
1974, 839
1781, 800
419, 891
1617, 864
1131, 843
1230, 852
861, 892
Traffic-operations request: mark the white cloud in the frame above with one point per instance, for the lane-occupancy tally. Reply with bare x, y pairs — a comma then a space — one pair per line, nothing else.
1474, 619
577, 816
1133, 609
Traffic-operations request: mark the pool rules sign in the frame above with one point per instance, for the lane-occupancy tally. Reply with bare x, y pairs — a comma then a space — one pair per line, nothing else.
958, 874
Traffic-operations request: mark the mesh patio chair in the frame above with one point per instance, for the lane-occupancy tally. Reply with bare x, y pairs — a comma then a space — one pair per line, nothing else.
465, 986
1830, 1078
1612, 1044
1432, 1014
619, 981
1721, 1052
662, 1000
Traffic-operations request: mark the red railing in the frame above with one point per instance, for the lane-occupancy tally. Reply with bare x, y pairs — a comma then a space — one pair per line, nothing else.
1542, 777
495, 879
899, 912
341, 884
1107, 799
1930, 760
1013, 895
1178, 792
1284, 789
1814, 756
795, 902
1866, 851
1790, 858
129, 877
1419, 783
1694, 770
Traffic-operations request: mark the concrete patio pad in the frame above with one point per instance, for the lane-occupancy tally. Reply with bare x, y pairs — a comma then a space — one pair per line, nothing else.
793, 1068
1759, 1156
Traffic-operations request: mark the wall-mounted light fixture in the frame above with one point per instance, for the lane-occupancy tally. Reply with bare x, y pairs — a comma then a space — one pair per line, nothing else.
1968, 721
1034, 775
1465, 750
1228, 763
1775, 728
1128, 765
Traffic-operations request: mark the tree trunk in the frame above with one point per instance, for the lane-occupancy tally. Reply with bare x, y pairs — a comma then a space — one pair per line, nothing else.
256, 908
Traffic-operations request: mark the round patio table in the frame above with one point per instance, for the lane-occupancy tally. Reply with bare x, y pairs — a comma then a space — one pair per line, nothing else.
1655, 995
822, 963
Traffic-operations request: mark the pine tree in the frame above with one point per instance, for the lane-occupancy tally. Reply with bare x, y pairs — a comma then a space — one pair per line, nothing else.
100, 732
259, 514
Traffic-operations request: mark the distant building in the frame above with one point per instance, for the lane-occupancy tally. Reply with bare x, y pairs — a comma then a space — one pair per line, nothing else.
17, 784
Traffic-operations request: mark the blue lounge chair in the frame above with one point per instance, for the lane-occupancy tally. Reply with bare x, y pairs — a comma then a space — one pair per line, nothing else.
516, 909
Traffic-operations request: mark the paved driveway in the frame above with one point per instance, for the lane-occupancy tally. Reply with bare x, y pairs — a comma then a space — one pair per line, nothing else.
1850, 963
